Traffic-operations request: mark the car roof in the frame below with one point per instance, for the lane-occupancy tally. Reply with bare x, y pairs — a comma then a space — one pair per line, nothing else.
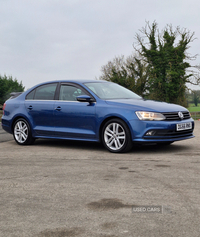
75, 81
81, 81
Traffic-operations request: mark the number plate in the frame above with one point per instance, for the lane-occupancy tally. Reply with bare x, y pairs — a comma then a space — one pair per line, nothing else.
183, 126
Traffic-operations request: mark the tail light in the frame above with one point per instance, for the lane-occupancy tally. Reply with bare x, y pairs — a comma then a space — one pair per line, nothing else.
4, 106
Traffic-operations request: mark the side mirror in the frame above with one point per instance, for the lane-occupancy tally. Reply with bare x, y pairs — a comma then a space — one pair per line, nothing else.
85, 98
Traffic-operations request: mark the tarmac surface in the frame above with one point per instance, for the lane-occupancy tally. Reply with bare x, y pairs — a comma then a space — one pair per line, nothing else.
4, 136
60, 188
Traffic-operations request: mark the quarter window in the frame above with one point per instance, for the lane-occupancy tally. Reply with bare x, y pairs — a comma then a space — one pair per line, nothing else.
30, 95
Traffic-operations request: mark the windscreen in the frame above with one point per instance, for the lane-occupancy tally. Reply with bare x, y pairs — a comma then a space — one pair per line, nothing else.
110, 91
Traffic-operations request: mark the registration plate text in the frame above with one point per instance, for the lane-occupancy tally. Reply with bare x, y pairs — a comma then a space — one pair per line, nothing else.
183, 126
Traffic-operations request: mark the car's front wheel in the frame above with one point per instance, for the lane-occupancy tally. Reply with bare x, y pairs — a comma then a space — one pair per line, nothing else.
22, 132
116, 136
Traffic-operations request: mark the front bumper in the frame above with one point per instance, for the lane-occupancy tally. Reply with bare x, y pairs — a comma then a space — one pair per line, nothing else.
162, 131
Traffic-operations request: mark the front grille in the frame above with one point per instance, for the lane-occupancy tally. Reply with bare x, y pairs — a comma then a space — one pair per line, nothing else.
172, 116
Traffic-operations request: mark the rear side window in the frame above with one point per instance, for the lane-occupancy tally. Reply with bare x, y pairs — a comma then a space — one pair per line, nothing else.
44, 92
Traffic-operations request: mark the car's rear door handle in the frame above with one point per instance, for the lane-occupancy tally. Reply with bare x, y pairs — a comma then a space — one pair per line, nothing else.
30, 107
58, 108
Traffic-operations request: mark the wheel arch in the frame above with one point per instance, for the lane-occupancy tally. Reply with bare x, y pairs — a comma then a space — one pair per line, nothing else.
18, 117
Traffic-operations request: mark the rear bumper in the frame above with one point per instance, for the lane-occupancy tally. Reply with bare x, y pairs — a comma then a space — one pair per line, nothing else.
6, 126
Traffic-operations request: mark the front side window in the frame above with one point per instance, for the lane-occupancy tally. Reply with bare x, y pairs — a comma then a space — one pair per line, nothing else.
69, 92
44, 92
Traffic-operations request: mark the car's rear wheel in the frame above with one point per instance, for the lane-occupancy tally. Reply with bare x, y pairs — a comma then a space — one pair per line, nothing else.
22, 132
116, 136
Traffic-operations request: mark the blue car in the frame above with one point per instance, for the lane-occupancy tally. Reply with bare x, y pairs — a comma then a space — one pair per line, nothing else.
93, 110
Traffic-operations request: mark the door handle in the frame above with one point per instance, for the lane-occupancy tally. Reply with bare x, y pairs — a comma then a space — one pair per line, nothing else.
30, 107
58, 108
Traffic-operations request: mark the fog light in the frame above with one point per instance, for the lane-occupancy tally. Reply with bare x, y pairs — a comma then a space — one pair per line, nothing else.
150, 133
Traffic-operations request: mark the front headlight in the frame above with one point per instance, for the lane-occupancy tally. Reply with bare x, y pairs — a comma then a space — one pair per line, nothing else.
143, 115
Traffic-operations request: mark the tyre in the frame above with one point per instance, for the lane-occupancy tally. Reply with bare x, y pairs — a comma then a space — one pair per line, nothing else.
116, 136
22, 132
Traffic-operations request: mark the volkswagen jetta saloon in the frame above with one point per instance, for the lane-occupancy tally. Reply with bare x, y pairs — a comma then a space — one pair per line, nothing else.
93, 110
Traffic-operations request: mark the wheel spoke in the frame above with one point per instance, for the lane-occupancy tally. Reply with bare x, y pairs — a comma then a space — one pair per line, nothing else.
20, 138
121, 137
19, 125
24, 136
110, 141
109, 132
117, 143
113, 127
120, 133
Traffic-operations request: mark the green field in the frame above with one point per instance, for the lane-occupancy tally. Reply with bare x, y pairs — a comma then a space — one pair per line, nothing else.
193, 108
195, 111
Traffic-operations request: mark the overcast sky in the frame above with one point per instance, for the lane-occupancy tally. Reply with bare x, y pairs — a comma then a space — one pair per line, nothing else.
43, 40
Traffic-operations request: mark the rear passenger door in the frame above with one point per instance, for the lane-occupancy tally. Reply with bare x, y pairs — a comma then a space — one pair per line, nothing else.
39, 104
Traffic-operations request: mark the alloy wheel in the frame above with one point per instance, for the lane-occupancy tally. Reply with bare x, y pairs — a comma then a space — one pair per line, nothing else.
21, 132
114, 136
